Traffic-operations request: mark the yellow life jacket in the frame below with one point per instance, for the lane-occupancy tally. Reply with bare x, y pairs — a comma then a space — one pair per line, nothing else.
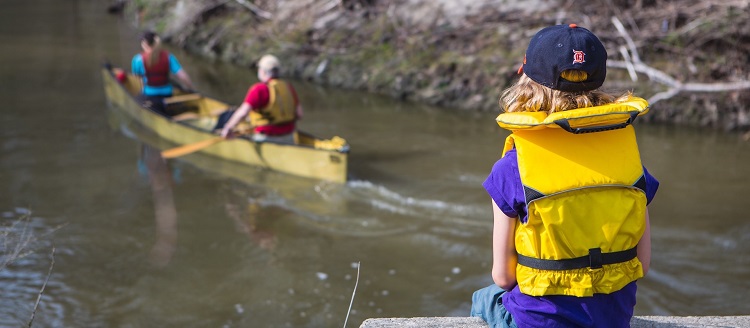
281, 107
585, 194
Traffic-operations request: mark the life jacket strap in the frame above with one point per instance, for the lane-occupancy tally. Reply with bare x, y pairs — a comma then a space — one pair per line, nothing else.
594, 260
565, 125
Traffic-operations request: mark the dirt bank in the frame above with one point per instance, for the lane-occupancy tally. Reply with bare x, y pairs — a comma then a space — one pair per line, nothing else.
457, 55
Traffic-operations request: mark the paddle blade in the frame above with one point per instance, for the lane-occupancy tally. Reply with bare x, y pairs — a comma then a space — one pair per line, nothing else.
190, 148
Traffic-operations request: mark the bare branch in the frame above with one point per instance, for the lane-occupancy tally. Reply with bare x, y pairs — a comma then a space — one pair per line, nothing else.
41, 292
629, 64
330, 5
353, 292
663, 95
624, 33
16, 241
676, 86
255, 9
716, 87
633, 64
653, 73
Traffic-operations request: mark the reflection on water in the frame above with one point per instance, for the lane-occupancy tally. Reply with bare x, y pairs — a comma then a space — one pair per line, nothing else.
246, 212
160, 178
201, 242
242, 208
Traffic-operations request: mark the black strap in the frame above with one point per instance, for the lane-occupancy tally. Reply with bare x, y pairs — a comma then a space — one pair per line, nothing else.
594, 260
565, 124
641, 183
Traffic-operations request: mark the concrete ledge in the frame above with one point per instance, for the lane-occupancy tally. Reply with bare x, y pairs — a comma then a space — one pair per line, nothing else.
692, 322
431, 322
637, 322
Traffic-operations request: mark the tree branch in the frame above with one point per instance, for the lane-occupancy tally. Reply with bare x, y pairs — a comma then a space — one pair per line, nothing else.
633, 64
255, 9
41, 292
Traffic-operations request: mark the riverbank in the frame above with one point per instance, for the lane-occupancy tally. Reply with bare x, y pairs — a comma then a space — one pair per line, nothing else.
636, 322
451, 54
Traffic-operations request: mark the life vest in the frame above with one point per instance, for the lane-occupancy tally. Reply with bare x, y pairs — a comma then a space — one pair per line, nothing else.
585, 196
157, 74
281, 107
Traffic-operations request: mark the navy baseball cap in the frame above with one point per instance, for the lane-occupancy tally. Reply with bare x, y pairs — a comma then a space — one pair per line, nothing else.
558, 48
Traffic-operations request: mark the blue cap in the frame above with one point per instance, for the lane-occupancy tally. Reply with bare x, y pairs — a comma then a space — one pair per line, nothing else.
558, 48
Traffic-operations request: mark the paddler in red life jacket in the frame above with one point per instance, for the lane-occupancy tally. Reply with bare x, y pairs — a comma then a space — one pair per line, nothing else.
271, 104
154, 65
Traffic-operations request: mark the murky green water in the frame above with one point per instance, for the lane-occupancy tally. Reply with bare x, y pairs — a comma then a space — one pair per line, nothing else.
198, 242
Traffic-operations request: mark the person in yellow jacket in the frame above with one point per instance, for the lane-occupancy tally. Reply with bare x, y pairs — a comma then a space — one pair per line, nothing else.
571, 233
272, 106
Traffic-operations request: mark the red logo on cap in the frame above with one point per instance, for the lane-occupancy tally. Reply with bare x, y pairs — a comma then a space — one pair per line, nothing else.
578, 56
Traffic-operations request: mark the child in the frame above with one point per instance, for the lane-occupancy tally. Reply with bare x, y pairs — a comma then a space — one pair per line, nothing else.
571, 230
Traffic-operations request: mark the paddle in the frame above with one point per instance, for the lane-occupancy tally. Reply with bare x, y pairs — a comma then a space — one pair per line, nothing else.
193, 147
190, 148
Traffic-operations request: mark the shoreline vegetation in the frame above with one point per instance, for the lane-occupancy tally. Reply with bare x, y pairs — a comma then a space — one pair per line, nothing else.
690, 59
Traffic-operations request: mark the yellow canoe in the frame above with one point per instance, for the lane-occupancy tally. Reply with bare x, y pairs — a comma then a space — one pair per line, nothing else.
310, 157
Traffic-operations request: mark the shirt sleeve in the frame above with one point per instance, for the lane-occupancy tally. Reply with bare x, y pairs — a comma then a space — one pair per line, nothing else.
504, 186
136, 66
652, 185
258, 96
174, 64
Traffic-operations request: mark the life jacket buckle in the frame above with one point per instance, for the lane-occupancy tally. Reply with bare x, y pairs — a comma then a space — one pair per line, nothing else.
595, 258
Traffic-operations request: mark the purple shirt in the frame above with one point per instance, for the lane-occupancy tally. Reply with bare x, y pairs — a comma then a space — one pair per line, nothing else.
610, 310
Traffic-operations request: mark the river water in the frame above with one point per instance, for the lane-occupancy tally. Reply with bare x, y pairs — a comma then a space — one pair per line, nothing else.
196, 242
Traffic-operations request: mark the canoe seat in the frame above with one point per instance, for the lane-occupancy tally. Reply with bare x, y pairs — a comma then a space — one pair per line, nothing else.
183, 104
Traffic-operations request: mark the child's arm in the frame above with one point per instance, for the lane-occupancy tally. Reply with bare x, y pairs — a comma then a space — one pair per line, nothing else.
644, 246
504, 256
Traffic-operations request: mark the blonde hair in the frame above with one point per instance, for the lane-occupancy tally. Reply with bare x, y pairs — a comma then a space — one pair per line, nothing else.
528, 96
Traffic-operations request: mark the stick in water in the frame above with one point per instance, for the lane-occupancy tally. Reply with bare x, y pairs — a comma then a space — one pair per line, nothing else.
41, 292
353, 292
